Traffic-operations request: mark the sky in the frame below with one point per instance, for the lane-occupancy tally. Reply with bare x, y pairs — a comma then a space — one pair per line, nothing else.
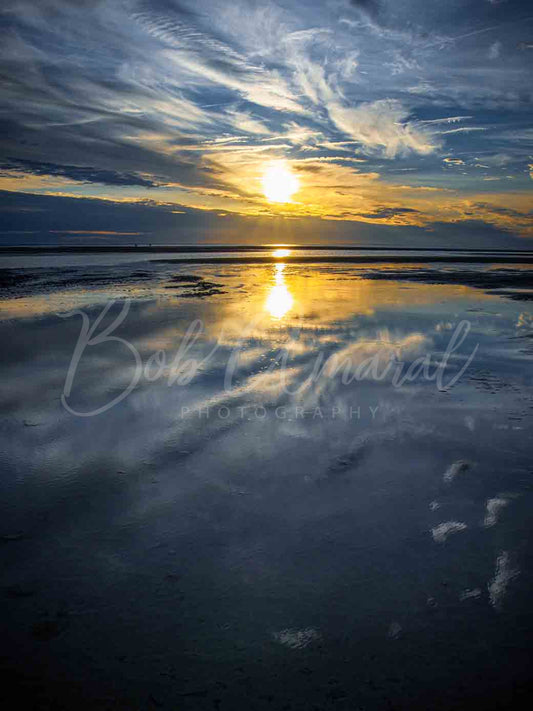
400, 123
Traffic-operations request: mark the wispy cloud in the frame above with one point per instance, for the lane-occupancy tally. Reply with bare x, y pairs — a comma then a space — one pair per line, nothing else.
384, 127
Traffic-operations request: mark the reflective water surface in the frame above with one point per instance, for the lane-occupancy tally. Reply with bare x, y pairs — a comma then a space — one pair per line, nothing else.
286, 508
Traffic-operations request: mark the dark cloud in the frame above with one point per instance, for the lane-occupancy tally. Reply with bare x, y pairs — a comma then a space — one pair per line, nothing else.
50, 219
310, 168
387, 212
50, 215
506, 211
99, 144
84, 174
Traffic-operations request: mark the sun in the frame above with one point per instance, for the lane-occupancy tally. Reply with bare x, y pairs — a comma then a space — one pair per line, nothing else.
279, 183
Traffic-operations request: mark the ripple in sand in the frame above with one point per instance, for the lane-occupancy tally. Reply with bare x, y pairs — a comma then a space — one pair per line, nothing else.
503, 575
455, 469
297, 639
469, 594
493, 508
441, 532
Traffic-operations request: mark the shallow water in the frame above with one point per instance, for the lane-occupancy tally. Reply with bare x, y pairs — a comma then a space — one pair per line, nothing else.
271, 518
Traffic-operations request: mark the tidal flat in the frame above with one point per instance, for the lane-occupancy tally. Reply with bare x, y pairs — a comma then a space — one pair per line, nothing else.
218, 495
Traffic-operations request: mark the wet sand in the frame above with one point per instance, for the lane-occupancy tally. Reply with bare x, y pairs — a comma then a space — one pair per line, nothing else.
244, 537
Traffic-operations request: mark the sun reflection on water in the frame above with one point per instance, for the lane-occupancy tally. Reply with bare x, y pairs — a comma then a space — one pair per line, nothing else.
279, 300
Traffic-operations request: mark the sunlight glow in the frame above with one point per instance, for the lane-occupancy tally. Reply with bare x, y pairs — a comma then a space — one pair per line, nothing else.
279, 183
280, 299
279, 253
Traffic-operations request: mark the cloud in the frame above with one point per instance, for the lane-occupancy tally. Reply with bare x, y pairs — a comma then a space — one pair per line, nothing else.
83, 174
243, 121
497, 159
301, 135
495, 49
463, 129
445, 120
386, 213
383, 127
39, 217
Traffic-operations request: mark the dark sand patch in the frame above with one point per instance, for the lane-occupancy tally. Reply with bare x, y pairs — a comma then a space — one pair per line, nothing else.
196, 285
515, 284
16, 283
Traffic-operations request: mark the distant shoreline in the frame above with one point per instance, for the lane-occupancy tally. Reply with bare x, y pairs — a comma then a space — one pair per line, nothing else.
359, 259
429, 253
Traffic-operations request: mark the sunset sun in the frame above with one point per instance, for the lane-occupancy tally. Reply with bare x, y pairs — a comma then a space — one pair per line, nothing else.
279, 183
